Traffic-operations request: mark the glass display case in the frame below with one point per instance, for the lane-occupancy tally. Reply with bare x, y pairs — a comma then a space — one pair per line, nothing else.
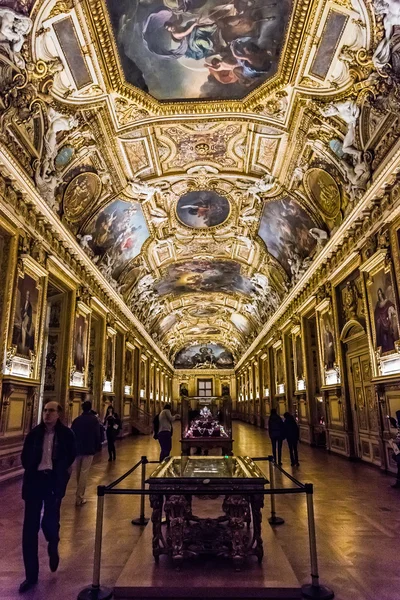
206, 425
234, 534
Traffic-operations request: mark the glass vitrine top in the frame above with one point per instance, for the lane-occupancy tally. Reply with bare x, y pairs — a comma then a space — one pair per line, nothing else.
208, 467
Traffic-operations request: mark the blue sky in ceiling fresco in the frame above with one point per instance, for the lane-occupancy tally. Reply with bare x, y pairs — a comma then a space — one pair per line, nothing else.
118, 232
192, 49
201, 355
204, 276
284, 227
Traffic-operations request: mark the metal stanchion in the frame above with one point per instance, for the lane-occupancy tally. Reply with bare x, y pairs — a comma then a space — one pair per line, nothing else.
95, 591
313, 590
142, 519
273, 520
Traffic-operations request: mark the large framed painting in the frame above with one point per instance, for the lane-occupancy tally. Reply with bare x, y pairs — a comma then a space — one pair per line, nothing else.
202, 209
26, 315
116, 235
203, 356
110, 357
129, 367
383, 310
195, 276
199, 49
80, 337
80, 345
328, 350
285, 228
279, 369
298, 358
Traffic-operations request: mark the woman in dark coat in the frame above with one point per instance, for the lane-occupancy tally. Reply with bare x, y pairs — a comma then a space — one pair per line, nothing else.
292, 436
276, 433
112, 424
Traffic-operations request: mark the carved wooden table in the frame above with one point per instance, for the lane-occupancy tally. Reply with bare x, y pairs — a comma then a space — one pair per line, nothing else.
235, 534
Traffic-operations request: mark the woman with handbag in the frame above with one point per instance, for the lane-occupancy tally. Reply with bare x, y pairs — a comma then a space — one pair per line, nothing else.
112, 424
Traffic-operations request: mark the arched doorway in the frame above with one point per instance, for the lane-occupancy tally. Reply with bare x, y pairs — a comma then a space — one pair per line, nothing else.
361, 392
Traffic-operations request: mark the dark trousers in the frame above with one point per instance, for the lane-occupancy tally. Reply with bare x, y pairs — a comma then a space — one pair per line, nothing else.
277, 443
111, 444
165, 441
294, 457
42, 495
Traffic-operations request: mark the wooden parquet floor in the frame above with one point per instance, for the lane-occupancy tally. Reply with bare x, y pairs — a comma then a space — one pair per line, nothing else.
357, 518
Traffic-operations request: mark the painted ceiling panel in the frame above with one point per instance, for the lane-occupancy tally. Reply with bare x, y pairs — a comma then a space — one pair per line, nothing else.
199, 49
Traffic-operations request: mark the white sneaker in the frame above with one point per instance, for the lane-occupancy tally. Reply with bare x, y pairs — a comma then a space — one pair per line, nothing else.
80, 502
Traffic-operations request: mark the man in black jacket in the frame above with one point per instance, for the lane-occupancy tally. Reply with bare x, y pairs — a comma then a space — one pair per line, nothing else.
86, 428
47, 456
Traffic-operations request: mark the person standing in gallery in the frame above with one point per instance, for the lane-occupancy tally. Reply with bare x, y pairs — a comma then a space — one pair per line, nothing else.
276, 433
164, 434
112, 423
47, 456
88, 440
292, 435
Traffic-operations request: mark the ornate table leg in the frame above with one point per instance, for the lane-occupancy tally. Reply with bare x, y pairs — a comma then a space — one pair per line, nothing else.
257, 503
177, 510
156, 503
237, 510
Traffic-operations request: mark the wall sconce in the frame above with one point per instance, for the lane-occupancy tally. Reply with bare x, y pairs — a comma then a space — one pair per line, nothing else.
142, 393
281, 388
266, 392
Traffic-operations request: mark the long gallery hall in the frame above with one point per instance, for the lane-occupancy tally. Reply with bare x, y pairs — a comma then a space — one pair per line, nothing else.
199, 299
357, 524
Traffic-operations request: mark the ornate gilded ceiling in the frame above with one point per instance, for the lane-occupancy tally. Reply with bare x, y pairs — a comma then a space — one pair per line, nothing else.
202, 153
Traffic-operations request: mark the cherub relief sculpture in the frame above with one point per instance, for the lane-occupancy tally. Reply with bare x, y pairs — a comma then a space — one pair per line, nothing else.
390, 10
13, 29
357, 172
349, 112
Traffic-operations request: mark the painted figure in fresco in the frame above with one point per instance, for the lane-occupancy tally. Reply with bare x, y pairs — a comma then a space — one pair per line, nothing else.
236, 44
328, 345
208, 209
385, 316
26, 341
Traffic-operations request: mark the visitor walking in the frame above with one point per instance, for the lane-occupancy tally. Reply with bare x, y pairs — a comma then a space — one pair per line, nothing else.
292, 435
113, 426
164, 434
47, 456
276, 433
88, 441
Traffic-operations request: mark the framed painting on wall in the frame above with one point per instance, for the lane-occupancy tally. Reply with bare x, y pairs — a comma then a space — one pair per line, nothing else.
25, 335
327, 346
383, 310
26, 316
80, 345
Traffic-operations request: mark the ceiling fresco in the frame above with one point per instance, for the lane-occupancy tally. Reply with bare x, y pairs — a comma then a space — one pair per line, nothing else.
195, 49
202, 153
201, 356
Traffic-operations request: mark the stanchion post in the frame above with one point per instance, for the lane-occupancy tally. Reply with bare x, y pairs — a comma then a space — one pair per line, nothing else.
313, 590
142, 519
273, 520
95, 591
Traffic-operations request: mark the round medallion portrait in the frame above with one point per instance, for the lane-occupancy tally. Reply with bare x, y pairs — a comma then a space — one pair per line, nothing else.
323, 190
82, 191
202, 209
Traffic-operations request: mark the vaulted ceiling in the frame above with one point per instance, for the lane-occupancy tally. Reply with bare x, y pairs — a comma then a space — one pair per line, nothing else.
204, 171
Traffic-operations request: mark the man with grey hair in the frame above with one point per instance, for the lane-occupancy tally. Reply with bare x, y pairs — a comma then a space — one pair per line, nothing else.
47, 456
